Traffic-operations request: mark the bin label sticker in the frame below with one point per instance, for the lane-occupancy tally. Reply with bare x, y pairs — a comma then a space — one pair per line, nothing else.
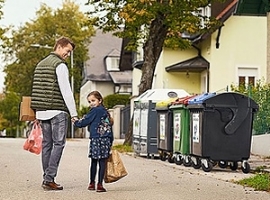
144, 122
195, 127
162, 127
177, 126
136, 122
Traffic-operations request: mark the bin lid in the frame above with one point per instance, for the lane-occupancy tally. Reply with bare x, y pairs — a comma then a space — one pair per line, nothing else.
231, 100
182, 100
240, 105
164, 105
156, 95
199, 99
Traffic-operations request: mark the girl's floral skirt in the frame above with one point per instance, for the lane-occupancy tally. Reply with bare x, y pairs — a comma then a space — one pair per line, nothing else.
99, 148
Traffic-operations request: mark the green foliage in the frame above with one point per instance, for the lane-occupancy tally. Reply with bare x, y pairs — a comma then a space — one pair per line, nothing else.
21, 57
2, 30
260, 93
9, 110
83, 111
123, 148
260, 182
176, 16
48, 26
116, 99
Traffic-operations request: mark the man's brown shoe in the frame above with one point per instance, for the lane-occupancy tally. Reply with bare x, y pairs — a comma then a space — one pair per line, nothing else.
51, 186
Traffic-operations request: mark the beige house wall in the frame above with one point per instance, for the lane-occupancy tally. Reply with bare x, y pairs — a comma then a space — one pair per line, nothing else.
176, 80
242, 44
105, 88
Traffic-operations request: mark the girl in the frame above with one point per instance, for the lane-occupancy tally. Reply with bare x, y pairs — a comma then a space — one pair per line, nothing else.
99, 125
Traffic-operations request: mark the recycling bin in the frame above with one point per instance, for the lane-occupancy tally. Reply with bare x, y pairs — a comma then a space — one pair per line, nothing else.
181, 133
221, 129
136, 127
164, 130
145, 119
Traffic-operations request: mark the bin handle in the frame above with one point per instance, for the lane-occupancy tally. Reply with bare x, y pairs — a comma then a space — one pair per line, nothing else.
239, 116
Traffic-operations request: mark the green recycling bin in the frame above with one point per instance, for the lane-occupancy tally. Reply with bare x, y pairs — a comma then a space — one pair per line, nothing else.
181, 131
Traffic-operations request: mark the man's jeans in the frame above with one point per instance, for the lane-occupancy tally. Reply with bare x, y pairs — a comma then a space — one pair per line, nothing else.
54, 139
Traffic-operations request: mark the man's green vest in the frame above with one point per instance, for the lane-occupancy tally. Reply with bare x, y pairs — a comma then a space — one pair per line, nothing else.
46, 93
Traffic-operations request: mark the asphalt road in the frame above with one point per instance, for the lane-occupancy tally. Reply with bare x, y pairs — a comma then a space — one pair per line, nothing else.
21, 177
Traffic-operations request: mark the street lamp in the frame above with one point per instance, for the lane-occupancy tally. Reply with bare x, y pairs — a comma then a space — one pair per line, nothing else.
71, 65
41, 46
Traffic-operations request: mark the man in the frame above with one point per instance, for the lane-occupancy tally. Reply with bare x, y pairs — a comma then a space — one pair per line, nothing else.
52, 99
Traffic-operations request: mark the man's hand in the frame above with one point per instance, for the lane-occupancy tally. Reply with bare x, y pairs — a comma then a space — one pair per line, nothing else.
73, 119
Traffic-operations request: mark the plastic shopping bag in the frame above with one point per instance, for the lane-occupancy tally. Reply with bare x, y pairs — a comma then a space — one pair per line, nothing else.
115, 168
33, 143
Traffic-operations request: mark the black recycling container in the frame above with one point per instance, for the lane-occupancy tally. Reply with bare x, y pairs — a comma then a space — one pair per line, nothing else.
221, 130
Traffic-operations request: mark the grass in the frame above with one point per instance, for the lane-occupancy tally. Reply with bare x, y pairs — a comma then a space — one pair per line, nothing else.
123, 148
261, 182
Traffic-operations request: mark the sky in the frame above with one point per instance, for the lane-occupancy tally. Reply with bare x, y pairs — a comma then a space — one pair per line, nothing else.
17, 12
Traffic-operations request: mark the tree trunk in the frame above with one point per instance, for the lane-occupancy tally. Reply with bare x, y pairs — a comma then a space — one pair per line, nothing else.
152, 50
129, 134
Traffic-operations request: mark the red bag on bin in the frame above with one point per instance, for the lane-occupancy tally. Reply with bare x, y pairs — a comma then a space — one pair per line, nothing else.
34, 141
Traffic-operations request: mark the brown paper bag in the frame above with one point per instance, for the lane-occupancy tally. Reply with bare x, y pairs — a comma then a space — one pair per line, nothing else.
26, 112
115, 168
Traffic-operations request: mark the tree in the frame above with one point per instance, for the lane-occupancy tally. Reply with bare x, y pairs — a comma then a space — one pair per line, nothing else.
152, 24
22, 57
9, 110
2, 30
48, 25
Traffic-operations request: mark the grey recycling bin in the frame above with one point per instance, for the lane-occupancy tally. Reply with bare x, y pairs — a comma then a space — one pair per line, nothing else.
145, 119
165, 130
221, 130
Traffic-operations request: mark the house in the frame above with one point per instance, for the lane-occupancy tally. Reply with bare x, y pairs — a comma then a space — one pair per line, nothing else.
235, 53
101, 70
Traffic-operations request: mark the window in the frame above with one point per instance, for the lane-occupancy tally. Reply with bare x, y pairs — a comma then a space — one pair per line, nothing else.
123, 89
247, 76
112, 63
204, 12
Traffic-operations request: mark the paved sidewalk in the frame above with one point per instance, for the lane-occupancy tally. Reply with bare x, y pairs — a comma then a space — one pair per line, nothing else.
151, 179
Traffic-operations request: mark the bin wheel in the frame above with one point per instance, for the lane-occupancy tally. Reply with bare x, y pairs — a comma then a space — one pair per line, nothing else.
187, 161
178, 159
162, 156
214, 163
234, 165
245, 167
171, 159
207, 166
197, 163
222, 164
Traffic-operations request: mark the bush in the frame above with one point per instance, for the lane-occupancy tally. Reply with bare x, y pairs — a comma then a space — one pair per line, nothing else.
260, 93
116, 99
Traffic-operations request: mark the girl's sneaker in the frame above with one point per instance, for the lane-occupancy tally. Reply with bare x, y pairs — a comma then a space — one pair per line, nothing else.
91, 186
100, 188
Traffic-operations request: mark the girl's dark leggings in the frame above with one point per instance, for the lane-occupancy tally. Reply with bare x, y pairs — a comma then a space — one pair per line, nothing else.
93, 169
